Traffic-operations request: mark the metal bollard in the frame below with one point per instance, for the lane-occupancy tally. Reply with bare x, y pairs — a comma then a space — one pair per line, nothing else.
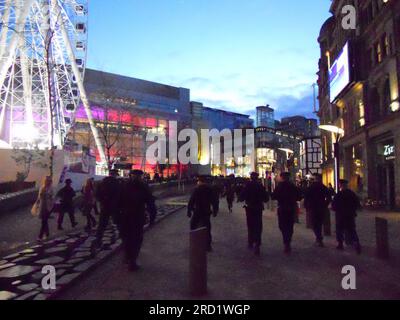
382, 238
198, 262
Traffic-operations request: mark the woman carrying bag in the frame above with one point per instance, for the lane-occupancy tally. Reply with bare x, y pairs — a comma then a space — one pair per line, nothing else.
43, 206
89, 204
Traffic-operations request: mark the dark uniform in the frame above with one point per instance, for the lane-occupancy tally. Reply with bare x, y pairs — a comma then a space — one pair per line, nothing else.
287, 195
136, 196
108, 194
230, 193
316, 201
254, 195
66, 195
345, 204
203, 203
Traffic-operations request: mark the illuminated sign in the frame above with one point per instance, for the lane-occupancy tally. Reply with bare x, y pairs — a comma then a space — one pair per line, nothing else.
339, 73
389, 152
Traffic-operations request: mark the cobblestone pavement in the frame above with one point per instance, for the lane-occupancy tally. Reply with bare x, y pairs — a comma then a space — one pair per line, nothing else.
19, 230
21, 273
235, 273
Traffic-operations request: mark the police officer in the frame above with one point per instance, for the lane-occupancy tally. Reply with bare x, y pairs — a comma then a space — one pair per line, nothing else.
66, 194
203, 203
345, 204
136, 196
230, 191
287, 195
254, 195
108, 194
316, 201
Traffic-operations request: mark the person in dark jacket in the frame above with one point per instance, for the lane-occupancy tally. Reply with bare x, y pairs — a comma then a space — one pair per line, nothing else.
108, 195
254, 195
203, 203
287, 195
345, 204
66, 195
316, 201
136, 197
230, 192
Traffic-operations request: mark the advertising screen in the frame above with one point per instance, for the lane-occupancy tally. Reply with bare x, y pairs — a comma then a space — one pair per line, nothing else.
339, 73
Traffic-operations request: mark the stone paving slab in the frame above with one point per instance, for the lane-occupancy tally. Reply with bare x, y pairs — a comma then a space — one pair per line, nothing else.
71, 255
235, 273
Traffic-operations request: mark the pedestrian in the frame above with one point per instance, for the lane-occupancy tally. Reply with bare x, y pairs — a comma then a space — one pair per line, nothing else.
43, 207
287, 195
203, 203
66, 196
136, 196
89, 204
316, 201
345, 204
254, 195
230, 192
332, 191
108, 195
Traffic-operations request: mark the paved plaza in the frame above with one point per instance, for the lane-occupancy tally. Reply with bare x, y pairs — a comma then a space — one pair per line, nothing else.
235, 273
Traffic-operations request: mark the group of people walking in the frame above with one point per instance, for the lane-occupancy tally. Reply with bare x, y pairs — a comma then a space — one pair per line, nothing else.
204, 203
126, 201
62, 203
123, 200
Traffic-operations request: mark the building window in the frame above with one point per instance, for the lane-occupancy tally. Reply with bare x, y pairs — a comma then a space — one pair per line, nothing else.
386, 97
361, 113
386, 42
378, 53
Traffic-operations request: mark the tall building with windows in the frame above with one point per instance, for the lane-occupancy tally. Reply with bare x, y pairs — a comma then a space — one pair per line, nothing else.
126, 109
358, 82
211, 118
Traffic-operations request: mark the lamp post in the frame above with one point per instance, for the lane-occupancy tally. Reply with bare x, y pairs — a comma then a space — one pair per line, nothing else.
288, 153
338, 133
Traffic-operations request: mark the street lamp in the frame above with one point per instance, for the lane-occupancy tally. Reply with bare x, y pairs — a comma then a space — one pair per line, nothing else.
338, 133
288, 153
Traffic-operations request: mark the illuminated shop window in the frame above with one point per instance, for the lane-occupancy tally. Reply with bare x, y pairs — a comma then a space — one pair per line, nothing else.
361, 113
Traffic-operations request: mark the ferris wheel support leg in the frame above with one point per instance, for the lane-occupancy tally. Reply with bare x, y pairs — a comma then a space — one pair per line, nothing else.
5, 29
81, 87
27, 85
7, 60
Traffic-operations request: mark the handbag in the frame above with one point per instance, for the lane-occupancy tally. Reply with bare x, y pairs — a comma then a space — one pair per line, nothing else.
35, 211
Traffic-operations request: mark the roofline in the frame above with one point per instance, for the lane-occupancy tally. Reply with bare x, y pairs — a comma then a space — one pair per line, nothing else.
130, 77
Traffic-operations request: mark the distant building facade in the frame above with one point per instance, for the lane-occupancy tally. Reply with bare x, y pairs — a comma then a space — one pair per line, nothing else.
126, 109
210, 118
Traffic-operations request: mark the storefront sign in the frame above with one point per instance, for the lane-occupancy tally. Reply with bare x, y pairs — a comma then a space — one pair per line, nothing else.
389, 152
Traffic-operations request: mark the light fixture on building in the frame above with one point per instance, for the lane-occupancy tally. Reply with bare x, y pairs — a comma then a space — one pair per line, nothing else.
338, 133
395, 105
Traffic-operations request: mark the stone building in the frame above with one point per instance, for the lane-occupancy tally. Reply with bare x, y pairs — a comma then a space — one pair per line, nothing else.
358, 82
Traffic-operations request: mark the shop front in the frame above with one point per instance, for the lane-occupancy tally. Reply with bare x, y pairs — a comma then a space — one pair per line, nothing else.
385, 172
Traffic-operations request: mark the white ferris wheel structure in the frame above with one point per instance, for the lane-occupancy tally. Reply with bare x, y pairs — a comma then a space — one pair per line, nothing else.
43, 48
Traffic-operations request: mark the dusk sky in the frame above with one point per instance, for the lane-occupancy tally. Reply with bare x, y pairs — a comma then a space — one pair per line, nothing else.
232, 54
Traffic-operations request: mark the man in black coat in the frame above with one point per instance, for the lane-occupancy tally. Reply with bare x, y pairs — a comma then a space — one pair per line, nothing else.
316, 201
136, 197
254, 195
67, 195
203, 203
287, 195
108, 194
230, 192
345, 204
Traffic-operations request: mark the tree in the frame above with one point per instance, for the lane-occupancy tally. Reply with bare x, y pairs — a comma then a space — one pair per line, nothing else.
28, 158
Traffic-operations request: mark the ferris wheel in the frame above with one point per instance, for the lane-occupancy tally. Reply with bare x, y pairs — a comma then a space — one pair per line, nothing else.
42, 63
